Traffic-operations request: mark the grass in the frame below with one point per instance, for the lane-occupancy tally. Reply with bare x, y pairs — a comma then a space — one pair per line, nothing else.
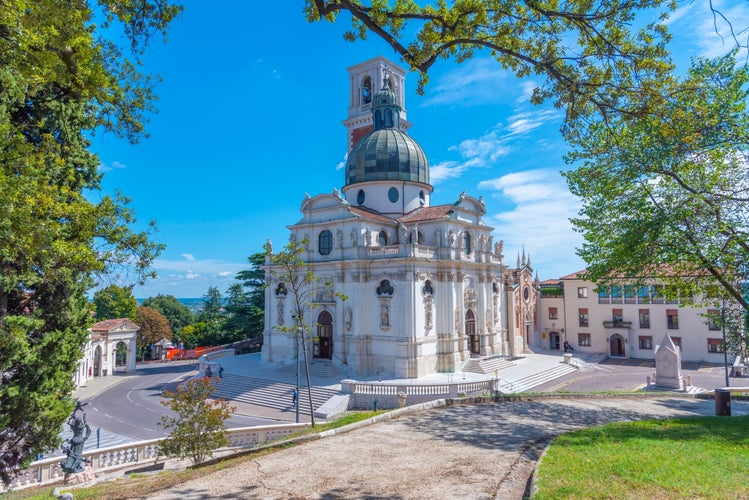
141, 485
701, 457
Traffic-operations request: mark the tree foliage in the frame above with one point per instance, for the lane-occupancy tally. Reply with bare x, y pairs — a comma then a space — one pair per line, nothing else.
590, 57
153, 327
178, 314
61, 80
669, 192
665, 195
199, 426
302, 287
115, 302
246, 300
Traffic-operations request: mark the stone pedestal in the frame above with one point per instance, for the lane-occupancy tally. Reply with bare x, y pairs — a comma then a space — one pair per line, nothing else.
668, 364
81, 477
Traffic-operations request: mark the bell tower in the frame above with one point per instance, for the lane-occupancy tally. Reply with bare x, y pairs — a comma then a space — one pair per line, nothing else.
365, 80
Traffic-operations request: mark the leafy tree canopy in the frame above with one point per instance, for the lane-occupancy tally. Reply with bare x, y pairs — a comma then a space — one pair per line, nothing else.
115, 302
592, 59
63, 77
153, 327
178, 314
199, 425
665, 196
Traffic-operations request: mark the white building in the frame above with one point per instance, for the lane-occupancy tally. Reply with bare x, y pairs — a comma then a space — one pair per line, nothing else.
426, 284
625, 320
99, 353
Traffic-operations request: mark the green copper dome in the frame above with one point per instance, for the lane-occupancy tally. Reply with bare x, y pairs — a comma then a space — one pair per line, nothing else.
386, 153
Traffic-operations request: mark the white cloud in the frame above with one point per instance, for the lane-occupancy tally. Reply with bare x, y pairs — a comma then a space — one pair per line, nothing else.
537, 220
445, 170
190, 275
527, 89
104, 167
341, 164
713, 32
188, 257
224, 274
477, 81
499, 142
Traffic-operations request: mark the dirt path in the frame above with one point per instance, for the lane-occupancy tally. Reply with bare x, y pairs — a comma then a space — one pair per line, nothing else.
481, 451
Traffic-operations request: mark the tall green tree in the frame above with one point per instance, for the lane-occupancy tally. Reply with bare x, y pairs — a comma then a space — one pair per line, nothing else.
588, 53
303, 285
153, 327
115, 302
666, 195
62, 78
178, 314
245, 305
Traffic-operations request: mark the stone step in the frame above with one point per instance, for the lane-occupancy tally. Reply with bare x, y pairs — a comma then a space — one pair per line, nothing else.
317, 368
526, 383
267, 393
487, 366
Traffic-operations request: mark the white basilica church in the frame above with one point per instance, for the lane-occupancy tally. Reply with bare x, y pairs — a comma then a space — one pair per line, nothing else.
426, 285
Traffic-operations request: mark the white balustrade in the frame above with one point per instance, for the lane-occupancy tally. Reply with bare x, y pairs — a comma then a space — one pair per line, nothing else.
143, 452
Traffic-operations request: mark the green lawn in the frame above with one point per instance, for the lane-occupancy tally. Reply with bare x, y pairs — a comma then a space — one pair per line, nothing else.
701, 457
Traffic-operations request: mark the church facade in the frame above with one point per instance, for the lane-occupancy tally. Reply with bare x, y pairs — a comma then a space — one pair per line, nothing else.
425, 286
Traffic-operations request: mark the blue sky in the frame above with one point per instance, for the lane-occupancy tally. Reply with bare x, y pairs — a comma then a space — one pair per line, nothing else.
250, 109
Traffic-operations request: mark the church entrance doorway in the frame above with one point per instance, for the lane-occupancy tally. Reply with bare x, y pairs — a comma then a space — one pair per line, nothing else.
323, 347
617, 345
473, 339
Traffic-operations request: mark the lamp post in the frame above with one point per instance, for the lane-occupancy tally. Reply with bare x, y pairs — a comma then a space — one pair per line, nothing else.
296, 399
723, 327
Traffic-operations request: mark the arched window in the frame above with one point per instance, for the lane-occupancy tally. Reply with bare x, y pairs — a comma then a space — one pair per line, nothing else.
378, 119
382, 238
419, 238
467, 242
366, 90
325, 242
388, 118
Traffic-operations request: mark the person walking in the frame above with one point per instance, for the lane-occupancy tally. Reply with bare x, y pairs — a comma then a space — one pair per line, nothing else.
220, 371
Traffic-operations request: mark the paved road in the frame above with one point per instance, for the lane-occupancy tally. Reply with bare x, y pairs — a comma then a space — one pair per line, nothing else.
624, 374
123, 408
482, 451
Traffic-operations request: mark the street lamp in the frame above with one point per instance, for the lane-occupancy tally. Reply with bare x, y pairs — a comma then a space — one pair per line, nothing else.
296, 397
723, 326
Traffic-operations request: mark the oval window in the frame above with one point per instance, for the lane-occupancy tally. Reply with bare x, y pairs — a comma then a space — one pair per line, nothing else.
393, 195
360, 197
422, 198
382, 238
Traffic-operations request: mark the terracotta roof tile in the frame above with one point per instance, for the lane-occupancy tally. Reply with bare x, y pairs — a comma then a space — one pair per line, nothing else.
108, 324
426, 213
368, 213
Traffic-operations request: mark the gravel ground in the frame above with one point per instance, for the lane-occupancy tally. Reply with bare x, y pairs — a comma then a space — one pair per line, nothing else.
474, 451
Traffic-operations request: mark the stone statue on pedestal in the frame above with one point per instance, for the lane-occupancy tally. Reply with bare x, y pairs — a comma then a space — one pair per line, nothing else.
73, 447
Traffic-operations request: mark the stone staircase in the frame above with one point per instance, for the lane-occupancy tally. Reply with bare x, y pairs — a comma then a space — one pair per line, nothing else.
487, 366
317, 368
268, 393
526, 383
